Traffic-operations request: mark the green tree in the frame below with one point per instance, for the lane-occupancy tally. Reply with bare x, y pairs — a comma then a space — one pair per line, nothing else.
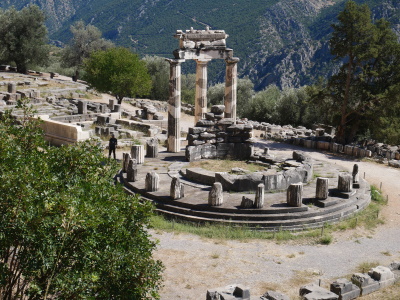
66, 230
216, 94
370, 70
264, 105
245, 93
158, 69
23, 37
85, 40
117, 71
188, 88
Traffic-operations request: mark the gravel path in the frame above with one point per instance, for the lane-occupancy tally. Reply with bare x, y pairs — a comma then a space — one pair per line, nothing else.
194, 265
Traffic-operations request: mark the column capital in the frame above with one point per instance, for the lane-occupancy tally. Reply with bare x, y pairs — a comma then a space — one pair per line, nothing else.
202, 61
174, 61
232, 60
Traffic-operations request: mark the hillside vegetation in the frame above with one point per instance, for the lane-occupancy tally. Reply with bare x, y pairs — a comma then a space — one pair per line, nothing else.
282, 42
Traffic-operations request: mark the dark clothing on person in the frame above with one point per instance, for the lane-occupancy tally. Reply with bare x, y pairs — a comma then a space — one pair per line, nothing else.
111, 146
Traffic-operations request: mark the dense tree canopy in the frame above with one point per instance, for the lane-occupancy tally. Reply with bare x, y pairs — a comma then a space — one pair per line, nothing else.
158, 69
85, 40
118, 71
370, 74
66, 230
23, 37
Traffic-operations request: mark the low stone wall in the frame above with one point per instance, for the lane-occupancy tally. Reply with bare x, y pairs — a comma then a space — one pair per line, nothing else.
58, 133
220, 139
361, 284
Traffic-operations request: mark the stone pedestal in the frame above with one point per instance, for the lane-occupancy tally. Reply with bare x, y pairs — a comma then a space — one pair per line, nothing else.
215, 197
125, 161
177, 189
152, 148
259, 200
294, 194
152, 182
137, 152
345, 182
111, 103
322, 191
82, 107
131, 172
231, 88
174, 106
246, 202
200, 108
12, 88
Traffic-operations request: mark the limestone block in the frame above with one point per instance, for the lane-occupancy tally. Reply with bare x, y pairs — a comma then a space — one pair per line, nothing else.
246, 202
230, 292
294, 195
177, 189
382, 274
218, 109
208, 151
345, 289
300, 156
193, 153
12, 87
313, 292
152, 182
152, 148
215, 197
271, 295
111, 103
345, 182
82, 107
366, 284
259, 200
137, 152
131, 172
322, 191
125, 161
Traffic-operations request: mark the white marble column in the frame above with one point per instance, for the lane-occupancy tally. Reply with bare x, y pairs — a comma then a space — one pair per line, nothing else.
174, 106
231, 87
200, 108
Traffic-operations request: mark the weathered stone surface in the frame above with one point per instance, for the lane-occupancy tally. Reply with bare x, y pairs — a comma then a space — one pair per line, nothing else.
152, 182
215, 197
321, 192
259, 200
366, 284
345, 289
315, 292
300, 156
246, 202
132, 171
152, 148
125, 161
294, 195
137, 152
271, 295
383, 275
177, 189
230, 292
218, 109
356, 176
82, 107
345, 182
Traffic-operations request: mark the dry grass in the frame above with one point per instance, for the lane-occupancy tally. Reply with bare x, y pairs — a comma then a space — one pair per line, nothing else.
224, 165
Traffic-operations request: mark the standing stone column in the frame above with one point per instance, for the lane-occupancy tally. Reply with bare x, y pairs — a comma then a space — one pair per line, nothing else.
345, 182
176, 190
356, 175
321, 192
215, 197
200, 108
259, 200
294, 195
125, 160
231, 88
111, 103
174, 106
82, 107
131, 172
137, 152
152, 147
152, 182
12, 88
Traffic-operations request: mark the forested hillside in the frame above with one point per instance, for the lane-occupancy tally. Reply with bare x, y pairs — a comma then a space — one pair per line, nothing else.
282, 42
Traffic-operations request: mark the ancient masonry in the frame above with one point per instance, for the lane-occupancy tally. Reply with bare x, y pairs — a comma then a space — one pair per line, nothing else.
201, 46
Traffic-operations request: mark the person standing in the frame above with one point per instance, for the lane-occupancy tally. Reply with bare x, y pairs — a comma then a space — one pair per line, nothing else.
112, 145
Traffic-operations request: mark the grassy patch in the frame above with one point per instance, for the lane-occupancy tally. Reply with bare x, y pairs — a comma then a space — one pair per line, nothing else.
366, 266
225, 165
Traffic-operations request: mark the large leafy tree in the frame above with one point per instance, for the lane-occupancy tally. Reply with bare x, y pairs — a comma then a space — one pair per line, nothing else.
23, 37
158, 69
66, 230
118, 71
370, 71
85, 40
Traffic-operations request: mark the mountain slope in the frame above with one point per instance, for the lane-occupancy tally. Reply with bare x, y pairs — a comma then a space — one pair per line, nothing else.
282, 42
